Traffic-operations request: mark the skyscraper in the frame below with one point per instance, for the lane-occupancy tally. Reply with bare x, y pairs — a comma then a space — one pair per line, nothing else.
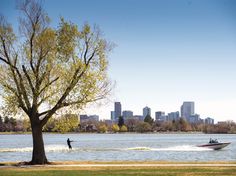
209, 120
127, 114
112, 115
146, 111
160, 116
187, 110
117, 110
173, 116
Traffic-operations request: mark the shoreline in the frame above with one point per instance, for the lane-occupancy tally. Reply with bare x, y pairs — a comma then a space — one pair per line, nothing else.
158, 132
180, 132
123, 163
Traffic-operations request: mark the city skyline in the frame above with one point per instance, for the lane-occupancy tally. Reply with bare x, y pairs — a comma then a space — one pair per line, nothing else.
186, 111
167, 51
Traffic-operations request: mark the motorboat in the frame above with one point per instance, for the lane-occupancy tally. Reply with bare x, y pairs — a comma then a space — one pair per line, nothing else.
215, 145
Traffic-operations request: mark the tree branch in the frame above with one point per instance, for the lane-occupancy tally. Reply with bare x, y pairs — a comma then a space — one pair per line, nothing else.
58, 105
20, 85
47, 85
29, 80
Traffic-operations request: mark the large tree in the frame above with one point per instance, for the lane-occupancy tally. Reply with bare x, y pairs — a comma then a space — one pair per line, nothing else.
45, 69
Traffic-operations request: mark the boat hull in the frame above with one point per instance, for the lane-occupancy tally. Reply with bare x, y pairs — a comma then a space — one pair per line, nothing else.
215, 146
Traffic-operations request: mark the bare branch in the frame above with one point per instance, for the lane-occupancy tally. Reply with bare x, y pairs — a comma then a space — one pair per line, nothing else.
4, 60
29, 79
91, 57
86, 51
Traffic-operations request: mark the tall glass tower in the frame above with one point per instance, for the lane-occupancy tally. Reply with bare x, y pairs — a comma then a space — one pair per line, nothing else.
187, 109
117, 110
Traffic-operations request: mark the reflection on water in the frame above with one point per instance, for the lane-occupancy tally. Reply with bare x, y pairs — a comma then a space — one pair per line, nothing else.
110, 147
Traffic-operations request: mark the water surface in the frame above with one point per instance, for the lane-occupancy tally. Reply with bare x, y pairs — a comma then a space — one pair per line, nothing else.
121, 147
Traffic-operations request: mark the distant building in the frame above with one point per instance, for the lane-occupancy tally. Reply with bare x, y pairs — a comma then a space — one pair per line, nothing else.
113, 115
187, 110
138, 117
94, 117
209, 121
85, 118
146, 111
127, 114
194, 119
117, 110
160, 116
108, 122
173, 116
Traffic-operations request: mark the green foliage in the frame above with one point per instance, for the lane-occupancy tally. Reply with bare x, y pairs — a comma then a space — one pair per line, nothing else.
66, 123
148, 119
50, 126
61, 67
26, 125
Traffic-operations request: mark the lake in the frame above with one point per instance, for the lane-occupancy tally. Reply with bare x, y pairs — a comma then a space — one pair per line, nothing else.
120, 147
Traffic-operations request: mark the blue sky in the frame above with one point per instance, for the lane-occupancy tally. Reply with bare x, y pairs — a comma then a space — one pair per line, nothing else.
168, 51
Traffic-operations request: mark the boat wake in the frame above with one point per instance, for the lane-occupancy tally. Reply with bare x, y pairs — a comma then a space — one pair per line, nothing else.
180, 148
48, 148
64, 148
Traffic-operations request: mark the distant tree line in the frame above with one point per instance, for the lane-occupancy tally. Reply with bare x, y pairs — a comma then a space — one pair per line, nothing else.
70, 123
10, 124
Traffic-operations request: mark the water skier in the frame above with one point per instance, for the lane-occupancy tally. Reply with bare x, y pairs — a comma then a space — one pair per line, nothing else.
68, 143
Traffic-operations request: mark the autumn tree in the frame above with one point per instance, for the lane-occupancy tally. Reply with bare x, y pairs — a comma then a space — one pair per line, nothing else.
115, 128
45, 69
66, 123
123, 128
102, 128
143, 127
131, 123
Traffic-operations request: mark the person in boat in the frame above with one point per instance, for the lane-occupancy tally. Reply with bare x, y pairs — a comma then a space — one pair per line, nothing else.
213, 141
69, 143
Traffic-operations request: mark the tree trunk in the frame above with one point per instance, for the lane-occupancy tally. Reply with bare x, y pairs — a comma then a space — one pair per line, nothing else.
38, 155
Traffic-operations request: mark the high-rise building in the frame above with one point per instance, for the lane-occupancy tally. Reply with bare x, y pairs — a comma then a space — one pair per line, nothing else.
127, 114
173, 116
209, 121
112, 115
117, 110
94, 117
194, 119
146, 111
187, 110
160, 116
85, 118
138, 117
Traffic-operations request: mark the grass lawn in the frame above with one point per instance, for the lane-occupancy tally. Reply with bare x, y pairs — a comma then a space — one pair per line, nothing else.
118, 171
164, 171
